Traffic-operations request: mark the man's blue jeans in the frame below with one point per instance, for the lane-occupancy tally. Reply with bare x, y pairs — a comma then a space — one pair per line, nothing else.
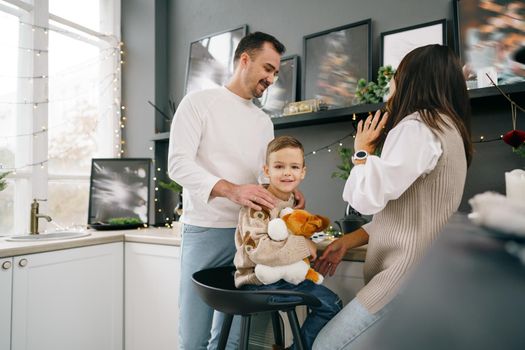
317, 317
200, 326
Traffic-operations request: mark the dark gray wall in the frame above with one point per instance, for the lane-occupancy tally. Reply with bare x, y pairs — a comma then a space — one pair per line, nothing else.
138, 75
290, 21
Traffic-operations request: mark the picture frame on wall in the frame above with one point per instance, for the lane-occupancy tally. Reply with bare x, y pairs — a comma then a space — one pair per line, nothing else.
210, 59
284, 90
333, 62
119, 189
489, 37
395, 44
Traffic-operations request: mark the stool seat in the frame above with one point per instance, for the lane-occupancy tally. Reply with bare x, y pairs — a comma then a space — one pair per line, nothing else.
216, 288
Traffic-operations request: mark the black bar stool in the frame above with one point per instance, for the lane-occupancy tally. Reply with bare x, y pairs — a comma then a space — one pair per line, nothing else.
216, 287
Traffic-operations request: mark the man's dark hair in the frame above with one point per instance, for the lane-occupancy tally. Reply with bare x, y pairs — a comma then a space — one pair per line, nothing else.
254, 42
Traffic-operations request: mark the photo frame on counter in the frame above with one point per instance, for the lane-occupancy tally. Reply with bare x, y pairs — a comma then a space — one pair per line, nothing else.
333, 62
489, 37
284, 90
395, 44
119, 188
210, 59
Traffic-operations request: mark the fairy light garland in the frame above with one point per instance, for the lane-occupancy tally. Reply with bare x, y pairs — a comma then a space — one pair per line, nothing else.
114, 82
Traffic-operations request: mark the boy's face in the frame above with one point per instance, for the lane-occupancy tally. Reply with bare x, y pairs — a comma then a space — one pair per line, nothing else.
285, 169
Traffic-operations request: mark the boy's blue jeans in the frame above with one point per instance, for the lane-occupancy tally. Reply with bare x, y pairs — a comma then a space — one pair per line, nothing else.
317, 317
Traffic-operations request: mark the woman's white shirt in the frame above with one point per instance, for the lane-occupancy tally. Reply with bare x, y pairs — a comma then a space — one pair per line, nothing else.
410, 150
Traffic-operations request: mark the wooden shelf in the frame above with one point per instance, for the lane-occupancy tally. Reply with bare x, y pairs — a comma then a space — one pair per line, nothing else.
493, 91
161, 136
323, 117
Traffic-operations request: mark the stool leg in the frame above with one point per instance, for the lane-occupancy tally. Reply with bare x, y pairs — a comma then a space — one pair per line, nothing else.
276, 324
225, 331
245, 332
294, 324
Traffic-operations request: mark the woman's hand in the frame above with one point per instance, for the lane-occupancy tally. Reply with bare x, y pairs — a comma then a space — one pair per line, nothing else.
331, 257
368, 131
336, 250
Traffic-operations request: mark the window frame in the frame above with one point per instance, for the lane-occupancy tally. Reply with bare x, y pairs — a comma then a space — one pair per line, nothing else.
31, 156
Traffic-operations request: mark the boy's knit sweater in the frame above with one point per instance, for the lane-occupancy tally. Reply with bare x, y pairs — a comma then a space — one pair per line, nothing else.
254, 246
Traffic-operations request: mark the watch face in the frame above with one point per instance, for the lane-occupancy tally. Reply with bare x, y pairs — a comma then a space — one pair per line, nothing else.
360, 154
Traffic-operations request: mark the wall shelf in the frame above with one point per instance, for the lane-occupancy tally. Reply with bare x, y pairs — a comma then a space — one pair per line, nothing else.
323, 117
161, 136
345, 114
493, 91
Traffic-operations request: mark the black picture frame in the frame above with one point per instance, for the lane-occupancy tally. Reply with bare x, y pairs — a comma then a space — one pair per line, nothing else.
395, 44
333, 62
119, 187
210, 59
284, 90
484, 37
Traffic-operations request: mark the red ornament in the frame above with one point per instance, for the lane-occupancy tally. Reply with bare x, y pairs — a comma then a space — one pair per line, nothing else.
515, 138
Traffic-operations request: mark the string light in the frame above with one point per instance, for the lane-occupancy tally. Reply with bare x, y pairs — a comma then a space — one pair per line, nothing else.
329, 147
111, 80
41, 164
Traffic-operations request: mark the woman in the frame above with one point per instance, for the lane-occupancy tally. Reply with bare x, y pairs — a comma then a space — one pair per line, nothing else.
412, 188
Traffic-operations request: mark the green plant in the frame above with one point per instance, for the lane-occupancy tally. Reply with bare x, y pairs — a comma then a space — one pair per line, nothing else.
346, 163
124, 221
371, 92
172, 186
3, 182
520, 150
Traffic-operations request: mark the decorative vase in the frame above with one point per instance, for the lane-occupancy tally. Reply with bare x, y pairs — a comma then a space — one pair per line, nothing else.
352, 220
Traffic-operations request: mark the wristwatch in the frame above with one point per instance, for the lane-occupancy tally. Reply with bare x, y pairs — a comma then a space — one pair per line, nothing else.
359, 155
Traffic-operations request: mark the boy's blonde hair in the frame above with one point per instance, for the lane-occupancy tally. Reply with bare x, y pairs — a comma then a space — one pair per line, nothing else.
282, 142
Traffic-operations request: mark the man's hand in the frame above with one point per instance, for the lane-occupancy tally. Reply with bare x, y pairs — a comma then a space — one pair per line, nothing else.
300, 202
253, 196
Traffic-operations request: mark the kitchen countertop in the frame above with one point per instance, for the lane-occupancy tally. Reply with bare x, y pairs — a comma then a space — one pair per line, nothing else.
151, 235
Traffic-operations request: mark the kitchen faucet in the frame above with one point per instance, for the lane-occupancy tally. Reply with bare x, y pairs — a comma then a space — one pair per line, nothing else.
35, 216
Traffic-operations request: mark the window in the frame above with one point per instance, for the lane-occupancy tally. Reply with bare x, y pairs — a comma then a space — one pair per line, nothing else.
59, 105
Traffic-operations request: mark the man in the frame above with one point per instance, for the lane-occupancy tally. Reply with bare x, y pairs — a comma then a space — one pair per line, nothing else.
217, 149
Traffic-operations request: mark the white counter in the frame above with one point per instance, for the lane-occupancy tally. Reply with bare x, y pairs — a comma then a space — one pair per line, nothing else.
153, 235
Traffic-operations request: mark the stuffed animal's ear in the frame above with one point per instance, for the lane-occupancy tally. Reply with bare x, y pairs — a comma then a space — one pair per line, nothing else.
325, 222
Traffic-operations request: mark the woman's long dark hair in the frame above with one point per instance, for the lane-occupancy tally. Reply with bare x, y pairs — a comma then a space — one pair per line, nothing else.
429, 80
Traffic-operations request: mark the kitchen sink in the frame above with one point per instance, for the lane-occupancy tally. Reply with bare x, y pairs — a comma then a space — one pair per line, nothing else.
48, 236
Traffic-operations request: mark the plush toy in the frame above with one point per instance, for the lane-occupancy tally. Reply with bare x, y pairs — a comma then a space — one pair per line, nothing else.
297, 222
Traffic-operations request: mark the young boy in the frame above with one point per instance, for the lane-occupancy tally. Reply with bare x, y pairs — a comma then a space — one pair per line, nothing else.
286, 169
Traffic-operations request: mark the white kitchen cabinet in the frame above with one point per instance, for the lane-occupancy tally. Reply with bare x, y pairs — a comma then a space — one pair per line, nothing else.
69, 299
6, 275
151, 296
347, 280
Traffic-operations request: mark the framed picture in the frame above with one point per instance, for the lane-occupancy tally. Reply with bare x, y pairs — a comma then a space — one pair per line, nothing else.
283, 91
210, 62
489, 35
395, 44
334, 60
119, 189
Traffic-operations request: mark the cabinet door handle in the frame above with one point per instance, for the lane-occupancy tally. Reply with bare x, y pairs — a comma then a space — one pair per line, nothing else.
6, 265
22, 263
